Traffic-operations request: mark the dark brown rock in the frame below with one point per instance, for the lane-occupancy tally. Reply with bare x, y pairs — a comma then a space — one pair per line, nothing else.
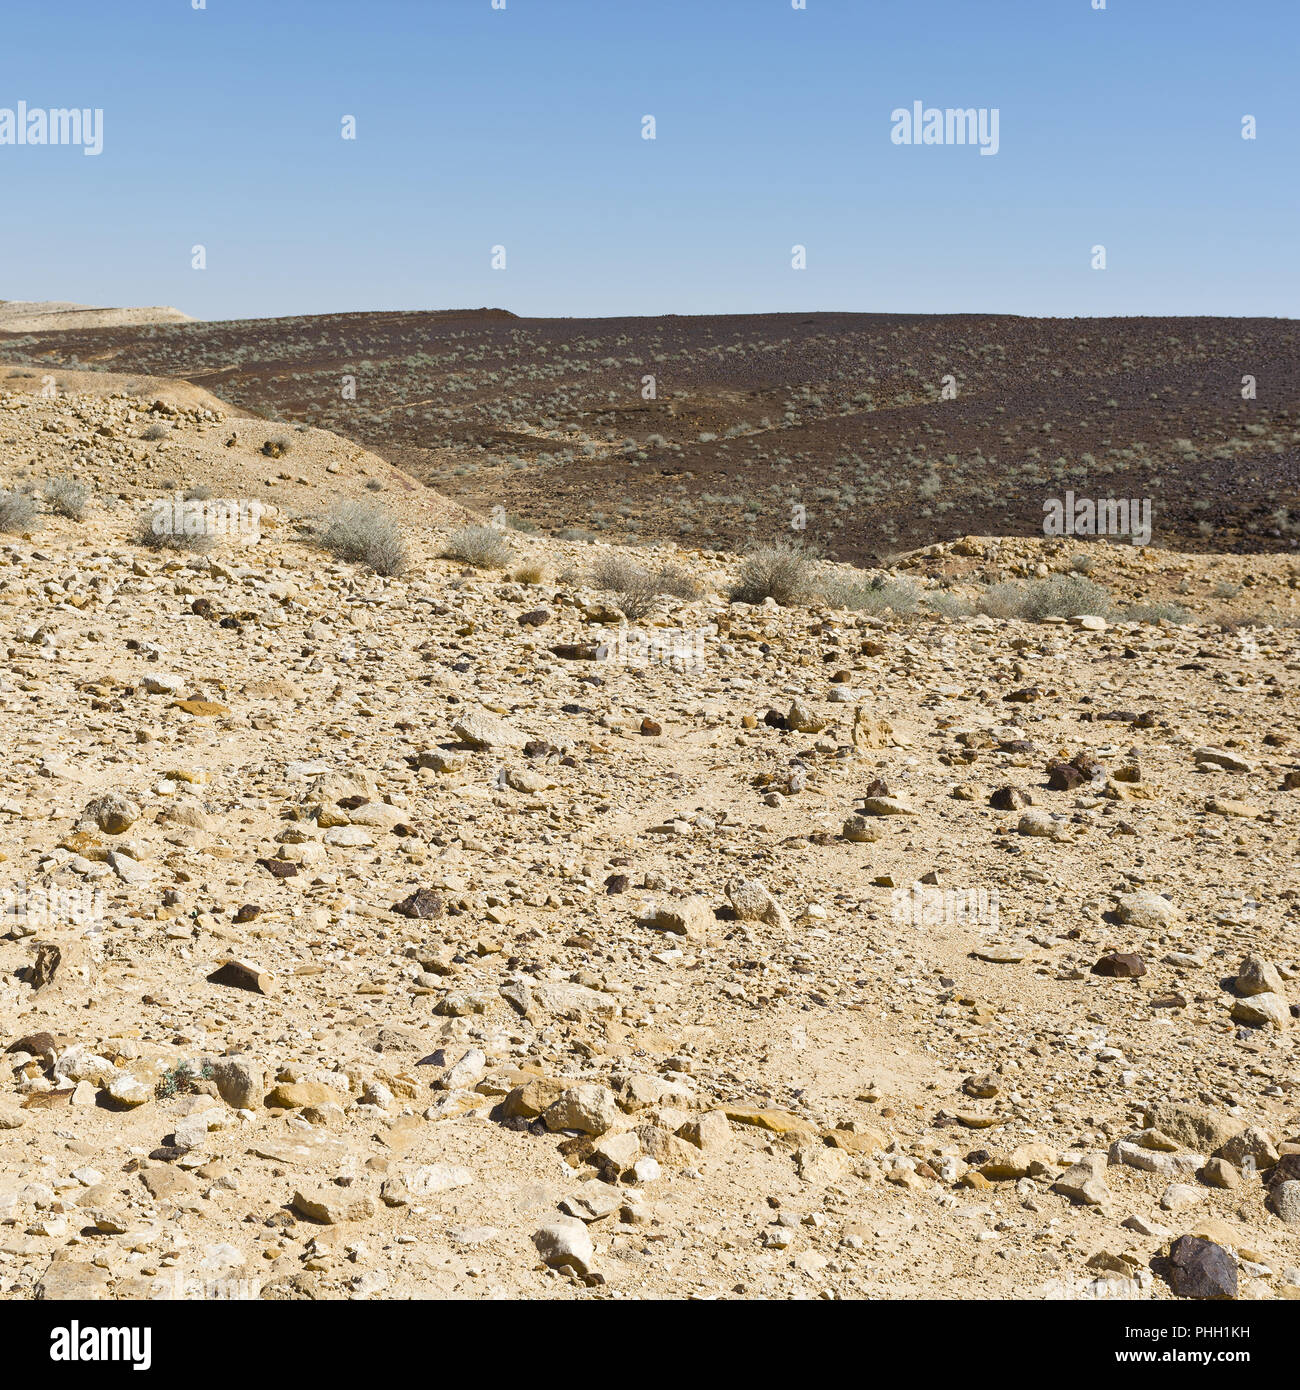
1120, 965
1201, 1269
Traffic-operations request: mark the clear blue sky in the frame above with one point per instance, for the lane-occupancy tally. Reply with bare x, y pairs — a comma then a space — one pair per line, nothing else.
523, 127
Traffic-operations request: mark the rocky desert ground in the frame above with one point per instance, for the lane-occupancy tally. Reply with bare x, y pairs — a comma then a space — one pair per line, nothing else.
454, 932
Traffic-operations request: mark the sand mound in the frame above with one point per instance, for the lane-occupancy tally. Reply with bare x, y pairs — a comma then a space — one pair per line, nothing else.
46, 316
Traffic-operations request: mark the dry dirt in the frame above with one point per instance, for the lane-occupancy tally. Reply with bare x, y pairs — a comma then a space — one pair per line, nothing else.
674, 1023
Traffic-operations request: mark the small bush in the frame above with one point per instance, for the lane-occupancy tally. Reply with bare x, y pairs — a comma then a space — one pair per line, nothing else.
1154, 613
637, 588
201, 493
365, 534
180, 1079
782, 571
484, 547
156, 431
530, 572
878, 595
277, 448
17, 512
950, 605
162, 529
1058, 596
67, 497
374, 485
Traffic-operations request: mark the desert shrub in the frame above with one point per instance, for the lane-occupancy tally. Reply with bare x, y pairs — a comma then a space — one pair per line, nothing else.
1154, 613
277, 447
950, 605
521, 523
163, 528
67, 496
366, 535
530, 572
1057, 596
17, 512
201, 493
484, 547
781, 570
156, 431
180, 1079
880, 594
374, 485
637, 588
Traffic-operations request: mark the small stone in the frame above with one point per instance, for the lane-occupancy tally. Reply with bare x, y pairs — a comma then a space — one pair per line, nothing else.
238, 974
710, 1132
1201, 1269
333, 1206
292, 1095
862, 830
1180, 1195
67, 963
751, 902
688, 917
424, 904
126, 1090
616, 1153
113, 813
1195, 1126
1219, 757
588, 1108
1252, 1149
565, 1244
433, 1178
1120, 966
480, 729
1043, 825
1218, 1172
1258, 976
240, 1081
886, 806
1146, 909
1263, 1008
1084, 1182
1010, 799
1284, 1200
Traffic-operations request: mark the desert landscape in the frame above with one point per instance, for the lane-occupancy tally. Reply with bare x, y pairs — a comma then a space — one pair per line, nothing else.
466, 838
891, 431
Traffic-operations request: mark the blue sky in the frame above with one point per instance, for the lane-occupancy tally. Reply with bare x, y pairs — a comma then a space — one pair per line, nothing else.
522, 127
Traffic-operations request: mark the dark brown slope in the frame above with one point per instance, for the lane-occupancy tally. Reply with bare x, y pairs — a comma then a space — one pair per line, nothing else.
841, 413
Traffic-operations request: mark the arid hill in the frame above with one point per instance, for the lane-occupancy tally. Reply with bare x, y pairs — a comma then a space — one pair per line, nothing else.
433, 933
890, 431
